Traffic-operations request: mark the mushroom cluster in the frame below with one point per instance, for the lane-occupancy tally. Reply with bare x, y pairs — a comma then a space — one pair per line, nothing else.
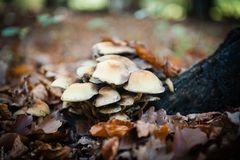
115, 84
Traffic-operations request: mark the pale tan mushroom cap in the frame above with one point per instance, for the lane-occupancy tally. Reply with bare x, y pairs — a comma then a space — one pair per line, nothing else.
110, 109
131, 66
143, 81
126, 100
105, 48
62, 82
120, 116
78, 92
112, 72
106, 96
85, 71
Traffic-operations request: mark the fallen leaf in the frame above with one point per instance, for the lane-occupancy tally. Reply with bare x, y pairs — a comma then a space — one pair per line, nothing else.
5, 114
23, 69
39, 109
39, 92
22, 123
46, 151
162, 132
110, 148
147, 55
153, 149
144, 129
111, 128
18, 148
48, 124
187, 138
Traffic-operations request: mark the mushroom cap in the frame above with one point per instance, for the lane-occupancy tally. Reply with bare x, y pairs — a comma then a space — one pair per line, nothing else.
112, 72
110, 109
84, 71
131, 66
78, 92
106, 96
105, 48
143, 81
126, 100
39, 109
62, 82
120, 116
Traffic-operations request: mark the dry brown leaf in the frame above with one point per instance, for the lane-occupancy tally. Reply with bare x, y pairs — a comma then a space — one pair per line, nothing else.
39, 109
18, 148
39, 92
187, 138
4, 112
23, 69
46, 151
111, 128
110, 148
22, 123
162, 132
152, 150
48, 124
147, 55
144, 129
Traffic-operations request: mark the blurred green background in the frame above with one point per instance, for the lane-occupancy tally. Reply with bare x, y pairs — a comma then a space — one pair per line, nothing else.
168, 9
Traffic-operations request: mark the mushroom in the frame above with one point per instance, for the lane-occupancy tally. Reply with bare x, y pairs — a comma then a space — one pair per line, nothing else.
105, 48
131, 66
120, 116
143, 81
62, 82
78, 92
39, 109
112, 72
110, 109
83, 71
106, 96
126, 100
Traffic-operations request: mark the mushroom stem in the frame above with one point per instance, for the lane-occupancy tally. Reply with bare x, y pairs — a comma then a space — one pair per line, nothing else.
138, 97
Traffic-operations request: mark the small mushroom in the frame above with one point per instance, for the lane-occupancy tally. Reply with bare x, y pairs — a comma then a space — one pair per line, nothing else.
120, 116
110, 109
126, 100
39, 108
112, 72
143, 81
83, 71
149, 98
106, 96
62, 82
131, 66
78, 92
105, 48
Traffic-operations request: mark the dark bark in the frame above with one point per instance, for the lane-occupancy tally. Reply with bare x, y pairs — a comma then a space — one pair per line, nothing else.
211, 85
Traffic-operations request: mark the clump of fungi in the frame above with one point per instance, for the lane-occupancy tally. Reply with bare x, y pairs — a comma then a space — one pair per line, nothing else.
117, 83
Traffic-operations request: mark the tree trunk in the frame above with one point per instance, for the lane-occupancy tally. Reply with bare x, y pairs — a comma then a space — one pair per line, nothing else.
211, 85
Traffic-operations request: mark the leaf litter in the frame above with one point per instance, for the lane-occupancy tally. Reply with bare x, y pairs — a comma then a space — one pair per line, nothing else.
35, 126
